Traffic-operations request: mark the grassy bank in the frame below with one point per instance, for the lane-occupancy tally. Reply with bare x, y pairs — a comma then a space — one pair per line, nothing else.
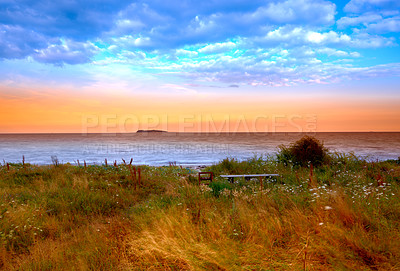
343, 215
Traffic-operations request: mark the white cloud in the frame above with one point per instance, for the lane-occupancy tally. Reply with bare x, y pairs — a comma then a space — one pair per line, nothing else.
357, 20
292, 11
187, 53
217, 48
327, 37
365, 40
359, 6
69, 52
140, 42
315, 37
386, 25
333, 52
338, 53
125, 25
299, 36
373, 22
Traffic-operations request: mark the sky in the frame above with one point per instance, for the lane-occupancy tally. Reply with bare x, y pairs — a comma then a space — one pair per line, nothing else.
199, 66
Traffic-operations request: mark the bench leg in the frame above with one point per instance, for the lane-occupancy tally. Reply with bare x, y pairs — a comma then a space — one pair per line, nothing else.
230, 179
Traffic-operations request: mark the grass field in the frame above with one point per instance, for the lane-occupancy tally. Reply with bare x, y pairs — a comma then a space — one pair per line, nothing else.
343, 215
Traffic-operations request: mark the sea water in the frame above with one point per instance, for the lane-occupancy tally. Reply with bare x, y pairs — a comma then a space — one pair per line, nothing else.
182, 148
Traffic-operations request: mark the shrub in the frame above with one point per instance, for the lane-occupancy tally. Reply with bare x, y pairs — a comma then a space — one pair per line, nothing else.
305, 151
218, 186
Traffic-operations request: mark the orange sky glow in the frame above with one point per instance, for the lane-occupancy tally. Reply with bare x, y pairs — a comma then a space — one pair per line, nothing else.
63, 111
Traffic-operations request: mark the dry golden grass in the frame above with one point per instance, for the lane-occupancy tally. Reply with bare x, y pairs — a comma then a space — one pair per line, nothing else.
76, 218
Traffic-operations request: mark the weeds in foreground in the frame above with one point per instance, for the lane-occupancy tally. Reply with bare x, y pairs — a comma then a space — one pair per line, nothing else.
65, 217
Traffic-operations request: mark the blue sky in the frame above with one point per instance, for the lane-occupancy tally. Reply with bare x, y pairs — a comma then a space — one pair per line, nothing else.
200, 46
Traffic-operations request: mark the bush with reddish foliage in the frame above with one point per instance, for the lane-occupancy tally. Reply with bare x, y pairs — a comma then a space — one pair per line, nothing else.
307, 150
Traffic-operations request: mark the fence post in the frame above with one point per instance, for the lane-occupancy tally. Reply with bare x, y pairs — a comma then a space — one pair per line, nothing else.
140, 179
133, 175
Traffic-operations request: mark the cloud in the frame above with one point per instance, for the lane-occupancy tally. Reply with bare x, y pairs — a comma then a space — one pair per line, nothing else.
337, 53
73, 19
17, 42
365, 40
178, 24
278, 42
186, 53
372, 22
357, 20
297, 36
359, 6
276, 68
68, 52
38, 28
298, 11
217, 48
387, 25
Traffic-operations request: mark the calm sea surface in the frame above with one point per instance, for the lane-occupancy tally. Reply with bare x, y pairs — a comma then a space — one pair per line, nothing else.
182, 148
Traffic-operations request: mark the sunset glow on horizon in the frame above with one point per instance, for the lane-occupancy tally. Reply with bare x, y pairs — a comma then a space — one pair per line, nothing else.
214, 66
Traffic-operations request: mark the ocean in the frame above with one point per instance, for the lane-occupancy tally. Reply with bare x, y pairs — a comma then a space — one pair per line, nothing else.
181, 148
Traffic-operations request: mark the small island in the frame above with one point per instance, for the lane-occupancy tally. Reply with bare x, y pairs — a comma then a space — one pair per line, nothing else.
151, 131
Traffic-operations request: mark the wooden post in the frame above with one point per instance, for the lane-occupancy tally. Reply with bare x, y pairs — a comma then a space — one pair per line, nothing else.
139, 176
133, 175
115, 163
209, 177
23, 160
8, 166
84, 163
105, 161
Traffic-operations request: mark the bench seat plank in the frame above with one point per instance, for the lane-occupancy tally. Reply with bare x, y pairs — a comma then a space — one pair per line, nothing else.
249, 175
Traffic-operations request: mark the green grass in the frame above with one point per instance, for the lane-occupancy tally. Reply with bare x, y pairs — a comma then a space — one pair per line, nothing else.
344, 215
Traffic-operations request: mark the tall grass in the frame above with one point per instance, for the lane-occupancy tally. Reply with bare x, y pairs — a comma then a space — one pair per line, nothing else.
65, 217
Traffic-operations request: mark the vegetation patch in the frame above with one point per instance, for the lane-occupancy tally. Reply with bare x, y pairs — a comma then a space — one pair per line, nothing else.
343, 214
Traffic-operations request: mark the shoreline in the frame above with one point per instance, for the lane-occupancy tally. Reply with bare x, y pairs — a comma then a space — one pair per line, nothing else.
196, 166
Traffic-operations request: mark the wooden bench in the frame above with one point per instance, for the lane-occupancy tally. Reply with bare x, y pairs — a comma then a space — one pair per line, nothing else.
250, 176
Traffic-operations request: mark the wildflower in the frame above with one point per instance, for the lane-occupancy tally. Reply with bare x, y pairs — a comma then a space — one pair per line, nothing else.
328, 208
